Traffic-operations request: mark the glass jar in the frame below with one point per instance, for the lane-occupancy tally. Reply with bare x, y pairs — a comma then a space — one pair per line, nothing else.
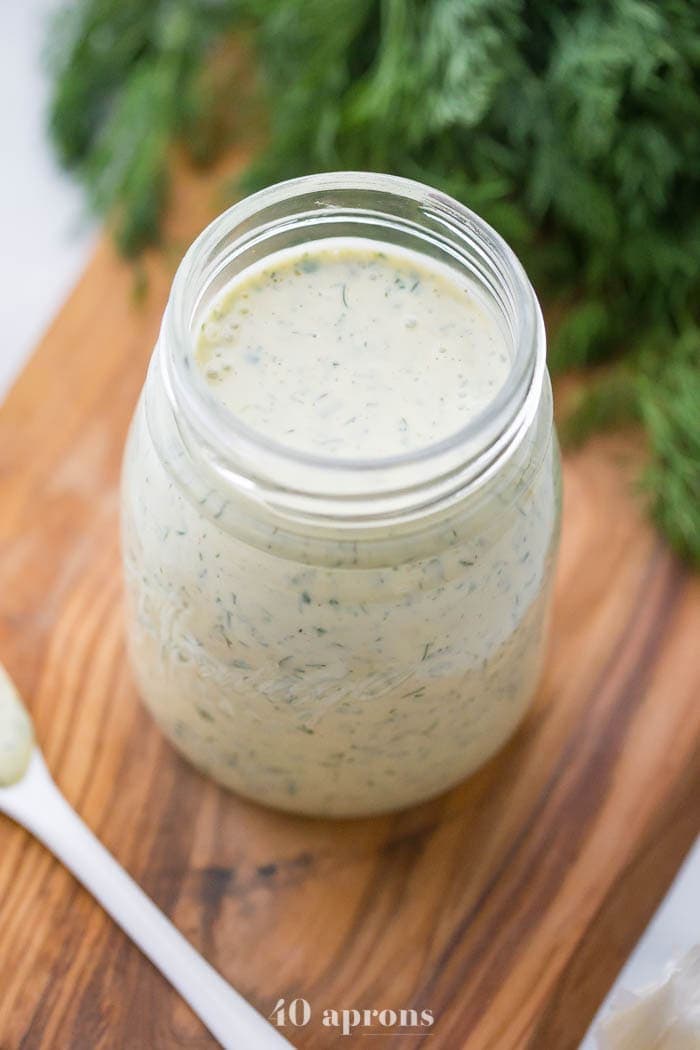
327, 636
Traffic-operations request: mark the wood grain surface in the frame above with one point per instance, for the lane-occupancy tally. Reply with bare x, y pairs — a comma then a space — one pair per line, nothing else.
506, 906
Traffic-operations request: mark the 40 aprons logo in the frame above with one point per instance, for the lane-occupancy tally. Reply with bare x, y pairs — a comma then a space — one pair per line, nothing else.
298, 1014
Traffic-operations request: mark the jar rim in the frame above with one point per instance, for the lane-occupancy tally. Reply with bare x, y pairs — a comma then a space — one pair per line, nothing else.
261, 464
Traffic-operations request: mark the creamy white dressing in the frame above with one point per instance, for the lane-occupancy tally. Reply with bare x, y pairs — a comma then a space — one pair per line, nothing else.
320, 673
350, 350
16, 733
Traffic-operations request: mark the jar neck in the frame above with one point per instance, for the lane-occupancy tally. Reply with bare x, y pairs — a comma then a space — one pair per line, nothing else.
318, 488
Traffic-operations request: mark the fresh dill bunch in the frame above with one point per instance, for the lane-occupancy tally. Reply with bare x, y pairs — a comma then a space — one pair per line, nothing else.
128, 83
659, 387
573, 128
669, 406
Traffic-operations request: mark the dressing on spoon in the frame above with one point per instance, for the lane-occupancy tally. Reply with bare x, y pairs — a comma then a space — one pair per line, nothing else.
16, 733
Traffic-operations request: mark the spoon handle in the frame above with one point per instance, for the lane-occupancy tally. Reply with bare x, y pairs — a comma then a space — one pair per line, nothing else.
37, 804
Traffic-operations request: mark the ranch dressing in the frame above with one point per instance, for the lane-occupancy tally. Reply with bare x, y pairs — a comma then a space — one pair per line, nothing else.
351, 350
329, 673
16, 733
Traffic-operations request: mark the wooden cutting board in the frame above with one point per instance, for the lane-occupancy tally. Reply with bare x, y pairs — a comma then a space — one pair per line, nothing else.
505, 907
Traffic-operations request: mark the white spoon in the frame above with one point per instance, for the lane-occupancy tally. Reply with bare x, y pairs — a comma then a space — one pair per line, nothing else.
29, 795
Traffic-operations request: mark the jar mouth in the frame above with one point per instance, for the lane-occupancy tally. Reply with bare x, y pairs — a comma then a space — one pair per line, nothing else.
385, 208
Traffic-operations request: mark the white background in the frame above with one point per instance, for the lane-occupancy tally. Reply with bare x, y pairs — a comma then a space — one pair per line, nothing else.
45, 233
